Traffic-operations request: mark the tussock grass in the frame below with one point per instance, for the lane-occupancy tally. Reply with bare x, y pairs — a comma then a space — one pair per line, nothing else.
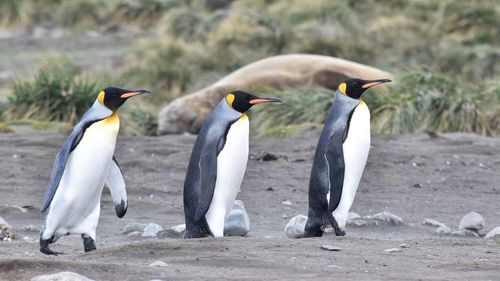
57, 93
418, 102
83, 13
454, 41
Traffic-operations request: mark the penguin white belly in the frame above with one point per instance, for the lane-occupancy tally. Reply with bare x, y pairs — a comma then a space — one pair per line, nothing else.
76, 204
231, 166
355, 148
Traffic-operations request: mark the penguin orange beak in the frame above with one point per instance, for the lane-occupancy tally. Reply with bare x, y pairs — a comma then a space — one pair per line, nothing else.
262, 100
134, 93
372, 83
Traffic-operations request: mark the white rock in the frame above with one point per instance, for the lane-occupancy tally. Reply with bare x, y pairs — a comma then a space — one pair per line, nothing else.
158, 264
404, 245
352, 216
296, 226
494, 234
443, 230
464, 232
131, 227
151, 230
179, 228
472, 221
392, 250
287, 203
61, 276
31, 228
388, 217
6, 231
9, 209
330, 248
176, 231
237, 223
134, 234
433, 222
357, 222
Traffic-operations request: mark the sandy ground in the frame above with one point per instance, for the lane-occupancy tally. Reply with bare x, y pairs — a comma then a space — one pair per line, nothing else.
456, 173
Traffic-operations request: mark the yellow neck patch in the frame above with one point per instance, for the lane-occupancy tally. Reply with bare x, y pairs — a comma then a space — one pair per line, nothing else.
100, 97
342, 88
112, 119
230, 99
243, 117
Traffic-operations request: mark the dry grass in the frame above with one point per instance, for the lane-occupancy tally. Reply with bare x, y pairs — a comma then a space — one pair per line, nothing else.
446, 52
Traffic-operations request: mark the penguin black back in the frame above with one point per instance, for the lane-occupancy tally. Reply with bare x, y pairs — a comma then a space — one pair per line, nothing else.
328, 175
199, 186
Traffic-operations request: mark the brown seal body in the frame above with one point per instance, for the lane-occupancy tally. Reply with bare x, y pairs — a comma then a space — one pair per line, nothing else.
187, 113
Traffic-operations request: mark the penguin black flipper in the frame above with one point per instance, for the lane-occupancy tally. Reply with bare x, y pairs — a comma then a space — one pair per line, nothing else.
116, 185
94, 114
208, 175
334, 156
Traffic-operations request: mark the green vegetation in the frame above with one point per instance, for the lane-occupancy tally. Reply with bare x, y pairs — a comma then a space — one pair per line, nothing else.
419, 102
61, 93
58, 93
83, 13
445, 54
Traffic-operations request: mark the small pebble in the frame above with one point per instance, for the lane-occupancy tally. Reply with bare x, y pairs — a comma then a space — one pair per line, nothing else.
31, 228
237, 222
131, 227
158, 264
330, 248
392, 250
151, 230
178, 228
494, 234
295, 227
352, 216
61, 276
464, 232
443, 230
388, 217
472, 221
433, 222
287, 203
358, 222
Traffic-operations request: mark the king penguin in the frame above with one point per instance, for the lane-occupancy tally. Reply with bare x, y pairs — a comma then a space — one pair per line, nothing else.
340, 158
217, 165
83, 165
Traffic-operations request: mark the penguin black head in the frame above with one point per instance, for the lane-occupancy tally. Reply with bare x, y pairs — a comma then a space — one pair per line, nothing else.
354, 87
114, 97
242, 101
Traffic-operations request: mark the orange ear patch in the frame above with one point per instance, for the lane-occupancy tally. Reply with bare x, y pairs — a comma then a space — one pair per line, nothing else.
100, 97
343, 88
230, 99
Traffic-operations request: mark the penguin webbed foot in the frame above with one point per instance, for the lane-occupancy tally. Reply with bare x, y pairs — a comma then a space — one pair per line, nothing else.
44, 247
88, 243
313, 229
339, 232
